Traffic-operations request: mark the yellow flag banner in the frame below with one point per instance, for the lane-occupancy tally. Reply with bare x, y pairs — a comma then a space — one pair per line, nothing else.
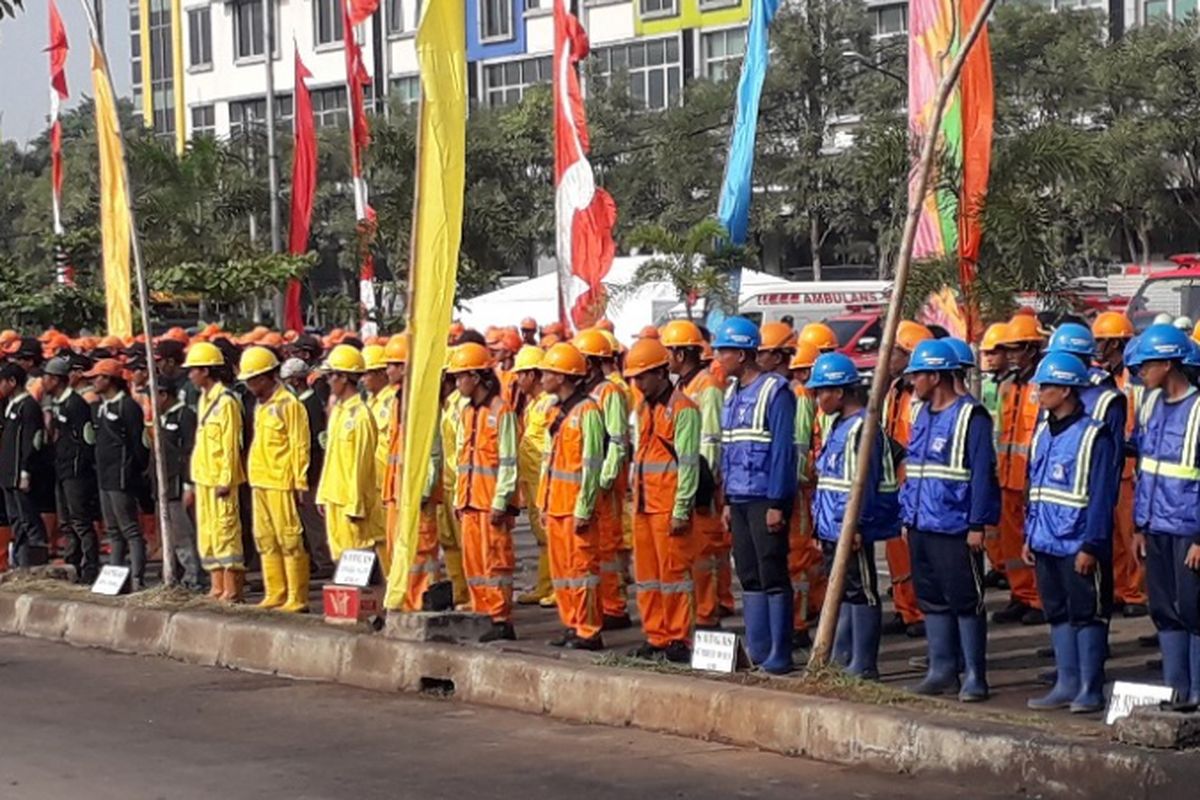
114, 204
437, 233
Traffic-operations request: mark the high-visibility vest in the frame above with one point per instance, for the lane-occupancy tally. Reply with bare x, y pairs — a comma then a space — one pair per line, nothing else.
806, 416
708, 394
897, 412
746, 437
1132, 393
656, 462
836, 468
936, 495
562, 476
1018, 421
1167, 494
480, 453
1059, 472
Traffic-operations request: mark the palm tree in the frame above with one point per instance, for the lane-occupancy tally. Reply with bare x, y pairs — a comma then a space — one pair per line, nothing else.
698, 262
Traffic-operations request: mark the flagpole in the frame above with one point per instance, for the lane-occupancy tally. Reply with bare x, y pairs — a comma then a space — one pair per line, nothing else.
879, 383
272, 152
160, 468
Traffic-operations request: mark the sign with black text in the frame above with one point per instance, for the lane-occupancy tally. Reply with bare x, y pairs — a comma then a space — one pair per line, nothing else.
715, 651
110, 581
1127, 696
355, 568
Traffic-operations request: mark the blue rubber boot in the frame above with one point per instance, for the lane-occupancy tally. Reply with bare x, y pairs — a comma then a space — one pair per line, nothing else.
941, 635
867, 622
758, 626
1194, 668
1066, 662
972, 633
1091, 641
843, 637
779, 615
1176, 658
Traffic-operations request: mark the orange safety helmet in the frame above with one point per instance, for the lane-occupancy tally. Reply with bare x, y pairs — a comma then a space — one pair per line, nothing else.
510, 340
529, 324
271, 339
469, 357
396, 349
706, 353
457, 329
290, 336
176, 335
681, 333
554, 329
776, 336
820, 336
111, 343
992, 337
909, 334
548, 341
1022, 328
648, 332
645, 355
805, 357
564, 359
606, 324
594, 343
1112, 325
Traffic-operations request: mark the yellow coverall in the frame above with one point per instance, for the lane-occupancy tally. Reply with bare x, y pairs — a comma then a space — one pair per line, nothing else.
216, 463
381, 405
448, 529
535, 441
349, 491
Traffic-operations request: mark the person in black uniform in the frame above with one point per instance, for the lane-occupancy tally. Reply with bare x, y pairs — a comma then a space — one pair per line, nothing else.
121, 459
295, 376
177, 423
20, 439
73, 435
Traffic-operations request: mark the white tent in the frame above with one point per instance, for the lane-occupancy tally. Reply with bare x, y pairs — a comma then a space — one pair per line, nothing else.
538, 298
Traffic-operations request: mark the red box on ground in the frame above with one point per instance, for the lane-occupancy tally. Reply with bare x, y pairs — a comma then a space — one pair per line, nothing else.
347, 605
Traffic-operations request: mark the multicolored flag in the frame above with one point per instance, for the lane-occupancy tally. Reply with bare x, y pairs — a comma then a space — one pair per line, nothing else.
64, 273
357, 77
433, 269
584, 213
304, 188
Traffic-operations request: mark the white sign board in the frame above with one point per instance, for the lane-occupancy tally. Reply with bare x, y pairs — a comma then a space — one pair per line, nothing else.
110, 581
715, 651
354, 568
1126, 696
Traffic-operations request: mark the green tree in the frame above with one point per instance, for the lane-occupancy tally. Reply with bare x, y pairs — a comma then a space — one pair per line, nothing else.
697, 262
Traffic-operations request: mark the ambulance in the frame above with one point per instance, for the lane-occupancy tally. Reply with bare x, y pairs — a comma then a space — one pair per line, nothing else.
813, 301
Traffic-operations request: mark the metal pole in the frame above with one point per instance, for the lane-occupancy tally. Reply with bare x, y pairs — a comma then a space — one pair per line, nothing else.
879, 383
98, 11
272, 154
160, 466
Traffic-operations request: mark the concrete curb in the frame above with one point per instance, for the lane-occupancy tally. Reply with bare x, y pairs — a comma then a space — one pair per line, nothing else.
878, 737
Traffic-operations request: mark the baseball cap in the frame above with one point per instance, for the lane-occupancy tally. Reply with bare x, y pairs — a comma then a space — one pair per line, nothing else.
58, 366
109, 367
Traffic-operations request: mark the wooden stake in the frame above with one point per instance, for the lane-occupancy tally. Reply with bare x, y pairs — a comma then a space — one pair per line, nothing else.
879, 383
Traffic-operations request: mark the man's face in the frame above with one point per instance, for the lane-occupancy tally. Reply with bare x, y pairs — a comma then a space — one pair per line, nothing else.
53, 384
466, 383
104, 384
993, 361
261, 386
731, 360
198, 375
8, 388
1110, 352
528, 381
898, 362
651, 383
165, 401
924, 384
395, 373
168, 366
375, 380
1154, 373
552, 382
1021, 356
771, 360
802, 375
1051, 397
341, 382
678, 359
830, 399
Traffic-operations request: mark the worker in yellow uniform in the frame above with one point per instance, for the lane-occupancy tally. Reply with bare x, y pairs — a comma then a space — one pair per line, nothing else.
381, 394
486, 487
449, 532
277, 468
349, 492
534, 408
217, 473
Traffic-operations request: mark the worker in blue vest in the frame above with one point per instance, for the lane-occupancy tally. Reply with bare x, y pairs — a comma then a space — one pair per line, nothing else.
950, 494
758, 463
1166, 509
841, 396
1068, 532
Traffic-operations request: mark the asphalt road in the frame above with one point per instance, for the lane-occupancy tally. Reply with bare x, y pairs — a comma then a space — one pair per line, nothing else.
87, 724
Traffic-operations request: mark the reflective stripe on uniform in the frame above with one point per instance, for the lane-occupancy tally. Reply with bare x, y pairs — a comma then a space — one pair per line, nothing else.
590, 582
1077, 497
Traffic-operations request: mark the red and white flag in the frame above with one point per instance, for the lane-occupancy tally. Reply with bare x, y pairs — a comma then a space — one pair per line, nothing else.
584, 213
357, 77
304, 188
58, 92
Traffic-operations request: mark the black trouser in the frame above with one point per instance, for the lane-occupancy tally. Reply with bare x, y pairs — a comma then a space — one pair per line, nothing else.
1174, 589
120, 510
183, 543
1068, 597
861, 587
761, 557
947, 574
76, 497
29, 534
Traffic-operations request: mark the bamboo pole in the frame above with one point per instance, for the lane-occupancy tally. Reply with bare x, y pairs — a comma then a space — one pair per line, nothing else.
879, 383
160, 467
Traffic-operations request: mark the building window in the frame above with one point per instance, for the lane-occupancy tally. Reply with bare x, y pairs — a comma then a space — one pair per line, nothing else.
654, 68
708, 5
162, 67
891, 20
495, 20
248, 34
329, 107
657, 8
199, 38
395, 17
722, 52
204, 121
406, 90
327, 22
250, 115
135, 45
505, 84
533, 5
1155, 9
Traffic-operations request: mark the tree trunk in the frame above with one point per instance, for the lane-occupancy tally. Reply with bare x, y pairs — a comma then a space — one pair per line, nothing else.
883, 259
814, 238
1144, 241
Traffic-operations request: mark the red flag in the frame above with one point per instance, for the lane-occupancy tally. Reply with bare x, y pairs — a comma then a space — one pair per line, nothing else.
978, 116
304, 188
359, 10
58, 92
360, 137
585, 214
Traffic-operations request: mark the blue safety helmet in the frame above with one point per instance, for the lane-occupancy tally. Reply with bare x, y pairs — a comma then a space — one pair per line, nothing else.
1073, 338
831, 370
932, 355
737, 333
962, 350
1062, 369
1163, 342
1193, 358
1132, 356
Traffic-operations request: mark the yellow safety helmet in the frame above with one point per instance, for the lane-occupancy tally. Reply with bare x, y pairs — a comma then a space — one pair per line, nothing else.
344, 358
528, 357
993, 336
256, 361
204, 354
373, 358
396, 350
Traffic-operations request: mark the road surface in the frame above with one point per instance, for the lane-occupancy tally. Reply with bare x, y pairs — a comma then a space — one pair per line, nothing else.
87, 724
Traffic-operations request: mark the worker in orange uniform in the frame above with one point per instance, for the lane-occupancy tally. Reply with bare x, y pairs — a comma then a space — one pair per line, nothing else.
614, 410
993, 364
535, 408
897, 422
567, 497
529, 331
686, 345
1112, 332
1022, 345
503, 344
486, 488
805, 560
665, 473
277, 468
